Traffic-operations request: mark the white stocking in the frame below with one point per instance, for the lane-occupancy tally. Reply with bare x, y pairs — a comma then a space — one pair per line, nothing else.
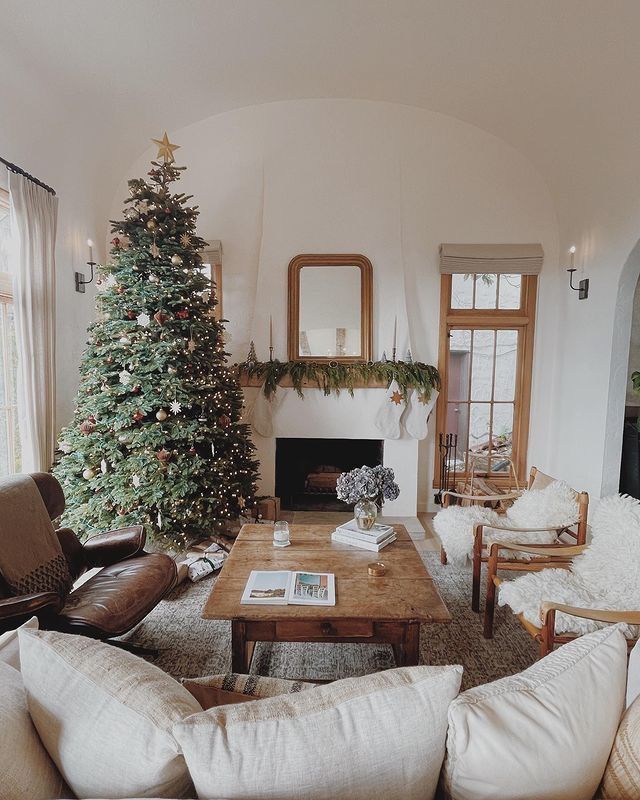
417, 415
388, 416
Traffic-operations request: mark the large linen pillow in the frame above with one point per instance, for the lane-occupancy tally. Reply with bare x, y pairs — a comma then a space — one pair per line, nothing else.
544, 734
9, 645
105, 716
369, 738
621, 779
26, 771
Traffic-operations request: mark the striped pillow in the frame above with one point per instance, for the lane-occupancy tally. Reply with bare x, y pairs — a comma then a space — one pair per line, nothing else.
622, 776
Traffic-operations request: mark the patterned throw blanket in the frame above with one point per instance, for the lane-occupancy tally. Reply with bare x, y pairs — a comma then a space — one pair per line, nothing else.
31, 558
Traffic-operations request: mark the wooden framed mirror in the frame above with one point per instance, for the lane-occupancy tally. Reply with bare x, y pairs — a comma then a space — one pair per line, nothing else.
330, 308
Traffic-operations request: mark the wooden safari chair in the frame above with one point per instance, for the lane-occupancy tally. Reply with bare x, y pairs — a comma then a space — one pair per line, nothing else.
573, 589
481, 554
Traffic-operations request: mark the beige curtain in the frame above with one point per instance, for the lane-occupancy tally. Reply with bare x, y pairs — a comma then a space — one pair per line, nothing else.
505, 259
33, 226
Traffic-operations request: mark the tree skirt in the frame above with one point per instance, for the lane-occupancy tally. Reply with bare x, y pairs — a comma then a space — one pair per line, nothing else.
193, 647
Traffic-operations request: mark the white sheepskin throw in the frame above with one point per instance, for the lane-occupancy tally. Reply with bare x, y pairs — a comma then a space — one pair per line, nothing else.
555, 506
455, 526
605, 576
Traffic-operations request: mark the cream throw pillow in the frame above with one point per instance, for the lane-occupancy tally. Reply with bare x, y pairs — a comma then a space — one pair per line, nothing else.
621, 779
544, 734
26, 771
105, 716
9, 646
371, 738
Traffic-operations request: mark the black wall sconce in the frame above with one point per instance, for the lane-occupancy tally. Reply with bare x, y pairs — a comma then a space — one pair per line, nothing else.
79, 276
583, 287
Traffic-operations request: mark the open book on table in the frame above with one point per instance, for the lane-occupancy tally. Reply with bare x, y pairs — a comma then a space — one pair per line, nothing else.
282, 588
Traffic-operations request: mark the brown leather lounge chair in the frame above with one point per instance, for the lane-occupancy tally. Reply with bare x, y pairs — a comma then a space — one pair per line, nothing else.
111, 602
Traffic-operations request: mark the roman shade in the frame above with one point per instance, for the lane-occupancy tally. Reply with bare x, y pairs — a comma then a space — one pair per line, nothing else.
510, 259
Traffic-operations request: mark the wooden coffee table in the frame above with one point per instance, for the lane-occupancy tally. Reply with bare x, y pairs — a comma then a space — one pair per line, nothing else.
386, 610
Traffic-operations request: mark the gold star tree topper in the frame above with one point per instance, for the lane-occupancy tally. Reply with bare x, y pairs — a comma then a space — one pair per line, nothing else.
165, 149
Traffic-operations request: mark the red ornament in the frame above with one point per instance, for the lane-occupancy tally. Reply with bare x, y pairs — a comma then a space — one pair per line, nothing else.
115, 242
224, 421
137, 416
163, 455
160, 317
136, 389
184, 314
120, 289
192, 451
122, 512
91, 418
87, 427
131, 314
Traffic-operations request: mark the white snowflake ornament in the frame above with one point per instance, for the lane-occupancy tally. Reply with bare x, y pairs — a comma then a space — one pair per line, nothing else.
175, 407
125, 377
144, 320
135, 479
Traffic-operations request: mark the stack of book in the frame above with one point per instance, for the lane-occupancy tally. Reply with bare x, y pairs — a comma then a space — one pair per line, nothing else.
374, 539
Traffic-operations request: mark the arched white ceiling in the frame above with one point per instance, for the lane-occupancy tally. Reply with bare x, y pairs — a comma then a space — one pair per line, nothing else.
555, 78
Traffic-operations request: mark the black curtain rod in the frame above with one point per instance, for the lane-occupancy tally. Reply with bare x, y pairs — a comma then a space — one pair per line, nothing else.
20, 171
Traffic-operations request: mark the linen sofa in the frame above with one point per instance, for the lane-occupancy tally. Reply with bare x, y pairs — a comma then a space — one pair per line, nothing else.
75, 712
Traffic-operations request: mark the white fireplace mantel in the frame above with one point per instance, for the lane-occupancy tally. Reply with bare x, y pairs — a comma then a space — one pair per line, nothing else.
319, 416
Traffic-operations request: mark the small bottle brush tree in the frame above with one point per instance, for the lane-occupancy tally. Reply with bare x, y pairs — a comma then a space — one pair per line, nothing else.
156, 437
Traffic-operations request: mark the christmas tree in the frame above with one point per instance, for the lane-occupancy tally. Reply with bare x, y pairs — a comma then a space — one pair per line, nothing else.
156, 437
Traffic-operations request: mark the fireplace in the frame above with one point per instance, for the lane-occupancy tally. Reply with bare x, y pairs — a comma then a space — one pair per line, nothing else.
307, 470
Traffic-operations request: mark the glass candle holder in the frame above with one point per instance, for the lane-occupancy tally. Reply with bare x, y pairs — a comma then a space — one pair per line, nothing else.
281, 534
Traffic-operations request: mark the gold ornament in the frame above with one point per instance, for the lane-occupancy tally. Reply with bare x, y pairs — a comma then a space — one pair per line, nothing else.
176, 259
152, 224
161, 415
155, 252
191, 346
165, 149
185, 240
88, 474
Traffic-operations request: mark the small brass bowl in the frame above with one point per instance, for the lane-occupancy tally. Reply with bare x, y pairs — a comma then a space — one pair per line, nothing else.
377, 569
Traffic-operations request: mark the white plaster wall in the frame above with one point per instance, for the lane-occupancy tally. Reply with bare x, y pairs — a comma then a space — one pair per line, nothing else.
49, 136
386, 180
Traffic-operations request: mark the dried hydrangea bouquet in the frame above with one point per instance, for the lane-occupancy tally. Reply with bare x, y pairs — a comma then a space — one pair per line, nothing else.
368, 488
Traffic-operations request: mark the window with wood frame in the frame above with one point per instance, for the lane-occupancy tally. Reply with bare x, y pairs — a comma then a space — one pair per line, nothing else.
10, 452
487, 324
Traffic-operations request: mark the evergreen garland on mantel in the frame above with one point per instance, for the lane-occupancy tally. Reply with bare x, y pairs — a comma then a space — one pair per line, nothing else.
332, 377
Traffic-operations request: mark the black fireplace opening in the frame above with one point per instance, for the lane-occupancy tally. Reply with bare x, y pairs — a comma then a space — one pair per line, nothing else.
307, 470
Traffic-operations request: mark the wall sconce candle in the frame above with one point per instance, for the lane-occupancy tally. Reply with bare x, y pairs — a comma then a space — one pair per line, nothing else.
583, 287
79, 276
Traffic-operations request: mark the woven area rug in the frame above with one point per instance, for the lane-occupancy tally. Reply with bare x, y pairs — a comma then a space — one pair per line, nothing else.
193, 647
